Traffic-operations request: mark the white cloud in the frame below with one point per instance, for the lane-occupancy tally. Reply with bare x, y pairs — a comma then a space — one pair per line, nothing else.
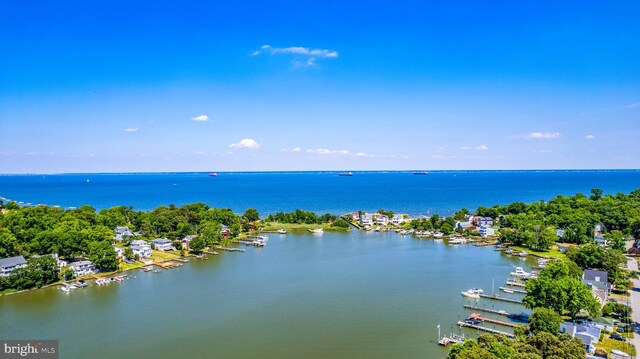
306, 56
131, 129
590, 137
361, 154
544, 135
246, 143
476, 148
200, 118
295, 149
324, 151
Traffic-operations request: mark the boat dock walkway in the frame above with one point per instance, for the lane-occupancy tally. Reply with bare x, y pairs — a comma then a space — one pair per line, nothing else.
497, 297
485, 329
493, 321
515, 284
488, 310
521, 291
230, 249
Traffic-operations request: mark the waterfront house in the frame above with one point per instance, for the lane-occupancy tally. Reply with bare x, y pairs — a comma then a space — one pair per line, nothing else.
186, 241
366, 219
163, 244
486, 231
8, 265
141, 248
588, 333
225, 230
382, 220
397, 219
123, 231
484, 221
82, 267
461, 226
355, 216
600, 240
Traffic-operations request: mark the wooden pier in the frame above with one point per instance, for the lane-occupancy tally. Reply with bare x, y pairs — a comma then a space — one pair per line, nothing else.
230, 249
485, 329
497, 297
515, 284
521, 291
488, 310
492, 321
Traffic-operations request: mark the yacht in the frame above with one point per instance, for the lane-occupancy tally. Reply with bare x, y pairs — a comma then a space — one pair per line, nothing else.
457, 240
520, 273
282, 231
317, 230
438, 234
345, 174
421, 173
472, 293
213, 174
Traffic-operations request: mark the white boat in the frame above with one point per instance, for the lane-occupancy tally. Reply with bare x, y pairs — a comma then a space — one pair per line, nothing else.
507, 290
520, 272
282, 231
523, 254
377, 229
64, 288
472, 293
438, 234
317, 230
457, 241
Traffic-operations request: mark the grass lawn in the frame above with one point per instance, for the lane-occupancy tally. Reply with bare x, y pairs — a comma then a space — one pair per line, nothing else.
163, 256
609, 344
553, 253
303, 227
124, 266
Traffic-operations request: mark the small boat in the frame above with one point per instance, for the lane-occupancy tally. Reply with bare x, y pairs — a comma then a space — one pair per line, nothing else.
438, 234
523, 254
345, 174
457, 241
213, 174
471, 294
65, 289
520, 272
507, 290
444, 341
317, 230
111, 280
282, 231
420, 173
377, 229
82, 283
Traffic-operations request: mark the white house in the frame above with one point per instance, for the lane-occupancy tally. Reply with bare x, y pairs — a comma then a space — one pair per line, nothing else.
186, 241
486, 231
7, 265
82, 267
588, 333
366, 219
122, 231
382, 220
163, 244
484, 221
119, 252
141, 248
397, 219
461, 226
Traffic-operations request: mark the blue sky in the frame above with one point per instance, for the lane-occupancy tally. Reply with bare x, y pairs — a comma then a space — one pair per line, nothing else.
95, 86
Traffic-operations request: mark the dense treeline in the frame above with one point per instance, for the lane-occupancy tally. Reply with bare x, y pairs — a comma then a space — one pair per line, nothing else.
38, 272
300, 216
534, 225
85, 233
538, 346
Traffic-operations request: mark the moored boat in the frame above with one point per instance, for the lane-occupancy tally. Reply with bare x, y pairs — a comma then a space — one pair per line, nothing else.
282, 231
317, 230
520, 272
471, 293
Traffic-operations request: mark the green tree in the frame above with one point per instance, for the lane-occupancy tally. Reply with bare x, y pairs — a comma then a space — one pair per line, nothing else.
211, 233
197, 245
8, 243
251, 215
103, 256
544, 320
596, 194
128, 253
615, 240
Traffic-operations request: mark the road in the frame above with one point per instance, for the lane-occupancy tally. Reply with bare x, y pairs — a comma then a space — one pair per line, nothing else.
634, 299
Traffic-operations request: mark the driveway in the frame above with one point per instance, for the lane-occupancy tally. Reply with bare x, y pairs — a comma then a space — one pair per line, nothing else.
634, 299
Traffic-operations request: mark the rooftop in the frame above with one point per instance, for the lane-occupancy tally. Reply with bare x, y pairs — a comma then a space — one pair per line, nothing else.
12, 261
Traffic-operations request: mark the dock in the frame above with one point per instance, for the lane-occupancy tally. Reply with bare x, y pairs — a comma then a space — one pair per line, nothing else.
485, 329
521, 291
492, 321
182, 260
488, 310
230, 249
497, 297
515, 284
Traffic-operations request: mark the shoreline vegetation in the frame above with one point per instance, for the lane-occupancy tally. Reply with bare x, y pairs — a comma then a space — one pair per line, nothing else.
577, 232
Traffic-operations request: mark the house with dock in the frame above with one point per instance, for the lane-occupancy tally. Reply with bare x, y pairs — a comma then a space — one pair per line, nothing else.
397, 219
8, 265
366, 219
163, 244
82, 267
382, 220
186, 241
486, 231
141, 248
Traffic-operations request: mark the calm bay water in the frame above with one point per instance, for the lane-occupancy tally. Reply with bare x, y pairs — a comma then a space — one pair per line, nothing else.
442, 192
354, 295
